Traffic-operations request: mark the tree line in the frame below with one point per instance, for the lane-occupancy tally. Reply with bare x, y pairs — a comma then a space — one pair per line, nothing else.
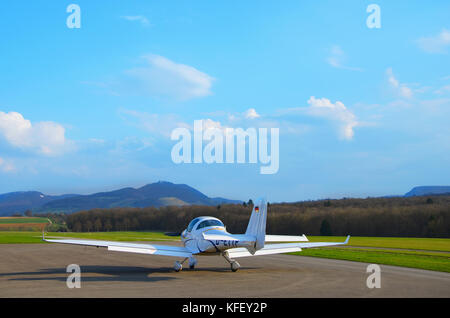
395, 217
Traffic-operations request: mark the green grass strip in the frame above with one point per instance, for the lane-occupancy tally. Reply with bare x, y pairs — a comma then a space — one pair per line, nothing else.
16, 237
22, 220
429, 244
397, 258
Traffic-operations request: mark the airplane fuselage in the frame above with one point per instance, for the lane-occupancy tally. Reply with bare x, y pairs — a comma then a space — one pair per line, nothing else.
211, 240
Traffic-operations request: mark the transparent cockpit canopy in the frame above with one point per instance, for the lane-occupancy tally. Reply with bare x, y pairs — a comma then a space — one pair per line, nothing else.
191, 225
210, 222
204, 223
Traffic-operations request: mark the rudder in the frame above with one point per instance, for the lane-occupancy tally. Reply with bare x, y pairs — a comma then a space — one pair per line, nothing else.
257, 225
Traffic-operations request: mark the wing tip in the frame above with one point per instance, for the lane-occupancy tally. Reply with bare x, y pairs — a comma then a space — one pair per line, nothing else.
347, 239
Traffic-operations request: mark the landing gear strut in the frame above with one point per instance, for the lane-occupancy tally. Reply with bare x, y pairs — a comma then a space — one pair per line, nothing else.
192, 262
178, 266
234, 265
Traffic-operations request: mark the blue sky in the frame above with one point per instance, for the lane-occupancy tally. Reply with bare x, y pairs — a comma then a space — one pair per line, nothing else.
361, 111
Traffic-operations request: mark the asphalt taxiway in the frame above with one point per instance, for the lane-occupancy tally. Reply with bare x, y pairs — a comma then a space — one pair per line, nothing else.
39, 270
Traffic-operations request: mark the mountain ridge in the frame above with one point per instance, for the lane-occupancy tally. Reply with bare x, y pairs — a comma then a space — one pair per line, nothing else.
428, 190
156, 194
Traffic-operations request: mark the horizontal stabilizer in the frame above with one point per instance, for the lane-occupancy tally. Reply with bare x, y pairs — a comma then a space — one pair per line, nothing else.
266, 250
217, 237
285, 238
281, 248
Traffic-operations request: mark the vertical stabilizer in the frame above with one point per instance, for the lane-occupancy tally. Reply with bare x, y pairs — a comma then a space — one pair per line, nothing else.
257, 225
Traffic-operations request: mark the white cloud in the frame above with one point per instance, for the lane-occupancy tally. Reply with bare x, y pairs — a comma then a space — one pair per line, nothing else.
139, 18
240, 120
46, 138
400, 89
337, 112
435, 44
163, 77
337, 58
6, 166
251, 114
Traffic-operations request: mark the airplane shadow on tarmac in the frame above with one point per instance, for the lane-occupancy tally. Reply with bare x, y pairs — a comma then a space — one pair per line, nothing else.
112, 274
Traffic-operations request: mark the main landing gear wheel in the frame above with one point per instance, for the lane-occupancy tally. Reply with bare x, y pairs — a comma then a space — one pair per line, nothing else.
235, 266
177, 266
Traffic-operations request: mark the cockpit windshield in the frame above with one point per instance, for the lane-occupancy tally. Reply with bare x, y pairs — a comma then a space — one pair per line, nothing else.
191, 225
207, 223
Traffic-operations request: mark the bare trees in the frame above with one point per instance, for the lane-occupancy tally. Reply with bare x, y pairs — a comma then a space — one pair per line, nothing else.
408, 217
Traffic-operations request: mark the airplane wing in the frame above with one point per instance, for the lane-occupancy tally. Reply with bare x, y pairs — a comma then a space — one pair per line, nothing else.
166, 250
280, 248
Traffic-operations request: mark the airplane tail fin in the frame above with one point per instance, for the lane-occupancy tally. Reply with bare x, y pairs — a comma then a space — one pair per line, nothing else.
257, 225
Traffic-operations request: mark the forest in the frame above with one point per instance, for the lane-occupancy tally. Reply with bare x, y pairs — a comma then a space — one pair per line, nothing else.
390, 217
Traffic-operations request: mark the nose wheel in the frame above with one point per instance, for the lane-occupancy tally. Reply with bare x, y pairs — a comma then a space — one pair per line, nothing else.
192, 262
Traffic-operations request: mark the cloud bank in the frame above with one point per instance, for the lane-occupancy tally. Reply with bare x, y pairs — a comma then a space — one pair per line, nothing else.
46, 137
163, 77
337, 112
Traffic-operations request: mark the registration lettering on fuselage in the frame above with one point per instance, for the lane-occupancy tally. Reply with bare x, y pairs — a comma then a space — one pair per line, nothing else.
226, 243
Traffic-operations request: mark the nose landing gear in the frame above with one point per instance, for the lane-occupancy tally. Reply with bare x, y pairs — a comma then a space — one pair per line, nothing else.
192, 262
178, 266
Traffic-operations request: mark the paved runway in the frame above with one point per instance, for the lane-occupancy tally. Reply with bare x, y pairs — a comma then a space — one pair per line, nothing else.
39, 270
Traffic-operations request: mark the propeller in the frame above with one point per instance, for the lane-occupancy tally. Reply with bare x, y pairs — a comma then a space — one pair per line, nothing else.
172, 233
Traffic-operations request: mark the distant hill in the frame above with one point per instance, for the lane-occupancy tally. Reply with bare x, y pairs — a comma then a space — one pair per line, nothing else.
25, 200
156, 194
428, 190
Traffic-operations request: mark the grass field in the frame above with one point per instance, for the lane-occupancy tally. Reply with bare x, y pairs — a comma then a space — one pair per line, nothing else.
21, 220
17, 237
424, 253
23, 223
428, 244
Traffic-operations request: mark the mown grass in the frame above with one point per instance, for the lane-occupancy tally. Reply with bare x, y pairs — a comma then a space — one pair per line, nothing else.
14, 220
428, 244
118, 236
16, 237
414, 259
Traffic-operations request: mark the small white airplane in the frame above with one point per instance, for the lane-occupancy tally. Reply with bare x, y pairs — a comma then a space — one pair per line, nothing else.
207, 235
